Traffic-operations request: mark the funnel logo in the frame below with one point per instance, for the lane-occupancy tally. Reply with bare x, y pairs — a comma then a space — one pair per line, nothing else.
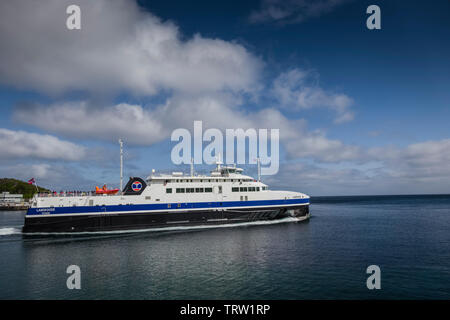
136, 186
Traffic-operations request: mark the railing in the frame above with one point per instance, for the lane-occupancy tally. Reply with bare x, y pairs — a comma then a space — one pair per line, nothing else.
72, 194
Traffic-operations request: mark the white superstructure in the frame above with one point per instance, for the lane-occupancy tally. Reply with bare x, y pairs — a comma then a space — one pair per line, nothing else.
226, 183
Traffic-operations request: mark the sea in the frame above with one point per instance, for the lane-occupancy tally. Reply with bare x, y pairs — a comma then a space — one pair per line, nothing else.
406, 237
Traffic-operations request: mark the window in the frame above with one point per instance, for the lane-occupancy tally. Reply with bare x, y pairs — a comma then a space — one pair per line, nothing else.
189, 190
198, 189
251, 189
208, 189
243, 189
257, 188
235, 189
180, 190
220, 189
168, 190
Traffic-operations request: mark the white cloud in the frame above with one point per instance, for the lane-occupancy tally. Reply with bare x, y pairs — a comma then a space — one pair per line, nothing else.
21, 144
292, 11
80, 120
145, 126
317, 146
120, 47
298, 89
423, 160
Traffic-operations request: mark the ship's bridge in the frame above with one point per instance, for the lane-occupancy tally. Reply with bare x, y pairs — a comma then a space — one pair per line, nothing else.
227, 171
219, 174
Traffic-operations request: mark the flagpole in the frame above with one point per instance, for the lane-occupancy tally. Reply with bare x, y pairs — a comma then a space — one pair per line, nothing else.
35, 184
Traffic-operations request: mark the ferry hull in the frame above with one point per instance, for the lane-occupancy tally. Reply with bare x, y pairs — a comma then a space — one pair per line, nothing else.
149, 220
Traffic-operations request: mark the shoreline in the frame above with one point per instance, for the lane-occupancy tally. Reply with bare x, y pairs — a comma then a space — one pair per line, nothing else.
14, 208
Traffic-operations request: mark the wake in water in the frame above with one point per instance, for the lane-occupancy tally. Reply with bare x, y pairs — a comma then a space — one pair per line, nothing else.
9, 231
179, 228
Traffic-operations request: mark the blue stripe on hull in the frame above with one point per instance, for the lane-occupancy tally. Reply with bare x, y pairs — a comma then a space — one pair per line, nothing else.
163, 206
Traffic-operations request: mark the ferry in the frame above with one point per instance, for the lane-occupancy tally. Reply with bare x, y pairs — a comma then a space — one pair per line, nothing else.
225, 196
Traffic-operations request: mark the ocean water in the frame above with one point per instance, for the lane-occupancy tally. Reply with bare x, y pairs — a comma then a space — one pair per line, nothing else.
408, 237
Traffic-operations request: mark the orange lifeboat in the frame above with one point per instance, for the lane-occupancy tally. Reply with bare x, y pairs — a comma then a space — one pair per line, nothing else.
105, 190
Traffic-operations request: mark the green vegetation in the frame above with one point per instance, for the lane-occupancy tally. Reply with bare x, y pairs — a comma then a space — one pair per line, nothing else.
17, 186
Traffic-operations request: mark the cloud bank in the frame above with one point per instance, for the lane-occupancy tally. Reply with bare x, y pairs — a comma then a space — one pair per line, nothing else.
21, 144
119, 48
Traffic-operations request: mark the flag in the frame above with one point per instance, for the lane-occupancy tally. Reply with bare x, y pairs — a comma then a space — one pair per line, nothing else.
31, 181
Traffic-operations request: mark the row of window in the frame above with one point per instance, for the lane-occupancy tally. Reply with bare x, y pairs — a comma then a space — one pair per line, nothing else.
189, 190
244, 189
209, 180
199, 190
247, 189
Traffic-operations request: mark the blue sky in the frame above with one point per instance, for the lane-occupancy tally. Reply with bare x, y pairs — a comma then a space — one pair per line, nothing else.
359, 111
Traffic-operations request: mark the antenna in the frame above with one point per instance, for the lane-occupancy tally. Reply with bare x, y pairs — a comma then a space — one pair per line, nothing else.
121, 164
259, 169
218, 162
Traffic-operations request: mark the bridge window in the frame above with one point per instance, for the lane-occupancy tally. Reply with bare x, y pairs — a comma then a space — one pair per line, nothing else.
234, 189
208, 189
180, 190
257, 188
168, 190
243, 189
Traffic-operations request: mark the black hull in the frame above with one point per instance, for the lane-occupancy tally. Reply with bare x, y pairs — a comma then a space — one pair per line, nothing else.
149, 220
